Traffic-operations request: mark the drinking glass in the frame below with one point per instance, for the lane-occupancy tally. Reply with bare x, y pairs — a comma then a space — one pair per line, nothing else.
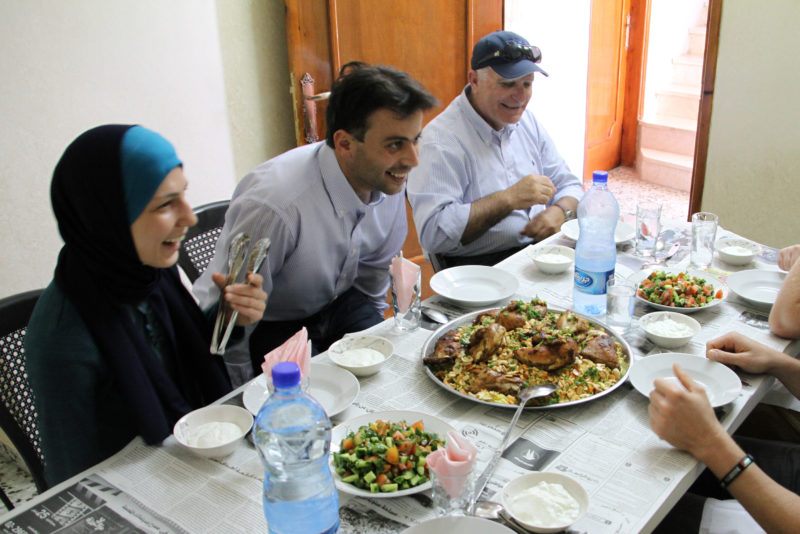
452, 493
648, 226
620, 301
704, 232
411, 318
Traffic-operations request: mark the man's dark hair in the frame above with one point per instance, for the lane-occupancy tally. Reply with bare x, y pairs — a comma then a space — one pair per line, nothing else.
366, 89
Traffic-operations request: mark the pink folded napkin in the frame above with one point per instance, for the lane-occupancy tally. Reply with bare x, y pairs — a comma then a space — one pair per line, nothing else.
296, 349
453, 463
404, 276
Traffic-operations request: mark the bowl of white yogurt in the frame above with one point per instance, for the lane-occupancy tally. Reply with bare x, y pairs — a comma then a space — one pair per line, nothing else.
736, 251
361, 355
213, 431
669, 329
545, 502
552, 259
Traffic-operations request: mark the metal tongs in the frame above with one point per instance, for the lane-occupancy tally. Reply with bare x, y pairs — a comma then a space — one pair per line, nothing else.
226, 317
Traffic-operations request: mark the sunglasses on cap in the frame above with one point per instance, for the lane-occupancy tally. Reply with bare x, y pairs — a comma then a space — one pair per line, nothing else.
513, 52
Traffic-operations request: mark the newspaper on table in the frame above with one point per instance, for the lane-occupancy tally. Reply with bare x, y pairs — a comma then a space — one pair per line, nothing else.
632, 477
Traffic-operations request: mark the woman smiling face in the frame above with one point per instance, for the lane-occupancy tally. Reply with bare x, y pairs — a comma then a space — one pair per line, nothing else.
158, 231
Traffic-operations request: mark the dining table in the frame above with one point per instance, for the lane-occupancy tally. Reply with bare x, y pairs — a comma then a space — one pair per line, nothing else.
633, 478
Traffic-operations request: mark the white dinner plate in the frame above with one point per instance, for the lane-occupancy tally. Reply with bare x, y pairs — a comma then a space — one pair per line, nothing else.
333, 387
637, 278
474, 285
340, 431
721, 384
623, 232
756, 286
460, 524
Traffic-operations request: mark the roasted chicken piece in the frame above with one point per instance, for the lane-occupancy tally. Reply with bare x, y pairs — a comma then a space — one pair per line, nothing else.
492, 380
601, 349
447, 349
549, 356
479, 319
510, 320
485, 342
571, 322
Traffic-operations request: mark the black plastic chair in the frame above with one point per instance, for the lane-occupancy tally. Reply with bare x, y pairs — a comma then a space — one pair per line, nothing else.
197, 248
17, 411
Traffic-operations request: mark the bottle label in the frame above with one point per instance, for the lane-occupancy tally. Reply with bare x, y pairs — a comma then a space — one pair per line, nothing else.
591, 282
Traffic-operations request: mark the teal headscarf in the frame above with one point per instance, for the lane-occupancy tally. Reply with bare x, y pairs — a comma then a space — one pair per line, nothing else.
147, 158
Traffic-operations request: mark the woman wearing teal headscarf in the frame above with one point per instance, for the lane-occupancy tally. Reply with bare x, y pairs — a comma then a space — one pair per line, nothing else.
116, 346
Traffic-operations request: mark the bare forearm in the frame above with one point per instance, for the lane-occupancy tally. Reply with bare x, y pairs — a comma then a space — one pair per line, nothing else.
784, 319
787, 370
766, 500
485, 213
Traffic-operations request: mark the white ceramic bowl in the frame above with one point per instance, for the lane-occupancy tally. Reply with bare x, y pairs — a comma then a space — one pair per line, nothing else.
515, 486
647, 322
552, 259
217, 413
338, 353
736, 251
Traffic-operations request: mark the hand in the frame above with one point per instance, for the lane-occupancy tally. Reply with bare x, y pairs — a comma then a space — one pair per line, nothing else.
530, 190
248, 298
681, 414
544, 224
788, 256
751, 356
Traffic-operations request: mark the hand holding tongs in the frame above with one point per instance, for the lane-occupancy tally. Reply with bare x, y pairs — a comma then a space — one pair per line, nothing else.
226, 317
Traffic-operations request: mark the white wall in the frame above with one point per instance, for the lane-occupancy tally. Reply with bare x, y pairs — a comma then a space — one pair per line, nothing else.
561, 31
753, 168
68, 66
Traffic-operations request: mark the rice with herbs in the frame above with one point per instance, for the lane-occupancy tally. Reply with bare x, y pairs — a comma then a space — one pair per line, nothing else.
578, 380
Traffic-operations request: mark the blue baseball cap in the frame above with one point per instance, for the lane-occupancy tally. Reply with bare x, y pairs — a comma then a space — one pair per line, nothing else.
510, 55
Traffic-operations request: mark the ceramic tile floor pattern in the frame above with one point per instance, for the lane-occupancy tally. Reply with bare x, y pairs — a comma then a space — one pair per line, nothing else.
623, 182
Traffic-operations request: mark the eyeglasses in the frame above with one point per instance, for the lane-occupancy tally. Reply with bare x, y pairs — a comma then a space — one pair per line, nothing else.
513, 52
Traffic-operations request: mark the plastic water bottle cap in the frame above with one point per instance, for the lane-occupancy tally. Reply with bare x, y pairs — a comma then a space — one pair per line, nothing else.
285, 375
600, 177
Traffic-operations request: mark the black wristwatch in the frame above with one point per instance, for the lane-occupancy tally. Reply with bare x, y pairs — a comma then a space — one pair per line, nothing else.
568, 213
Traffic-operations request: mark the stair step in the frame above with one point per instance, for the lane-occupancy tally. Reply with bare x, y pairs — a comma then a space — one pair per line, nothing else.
668, 134
697, 40
678, 100
688, 70
665, 168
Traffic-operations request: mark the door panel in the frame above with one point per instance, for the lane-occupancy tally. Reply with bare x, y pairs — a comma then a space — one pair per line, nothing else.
606, 86
432, 41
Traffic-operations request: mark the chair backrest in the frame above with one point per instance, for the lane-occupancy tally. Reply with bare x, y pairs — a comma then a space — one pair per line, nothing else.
17, 411
197, 248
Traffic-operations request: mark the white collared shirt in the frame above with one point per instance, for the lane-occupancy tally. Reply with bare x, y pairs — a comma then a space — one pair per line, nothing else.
324, 238
463, 159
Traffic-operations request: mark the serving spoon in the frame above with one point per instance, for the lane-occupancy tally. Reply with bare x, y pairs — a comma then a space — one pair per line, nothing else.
531, 392
434, 315
495, 510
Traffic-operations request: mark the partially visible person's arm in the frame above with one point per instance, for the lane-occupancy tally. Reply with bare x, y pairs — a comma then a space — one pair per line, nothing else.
784, 318
246, 298
751, 356
491, 209
682, 415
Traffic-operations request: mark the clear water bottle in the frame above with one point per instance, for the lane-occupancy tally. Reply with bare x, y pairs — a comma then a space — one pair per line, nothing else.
596, 250
293, 435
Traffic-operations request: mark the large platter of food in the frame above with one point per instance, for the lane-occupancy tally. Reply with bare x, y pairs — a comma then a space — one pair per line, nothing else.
679, 291
488, 356
383, 454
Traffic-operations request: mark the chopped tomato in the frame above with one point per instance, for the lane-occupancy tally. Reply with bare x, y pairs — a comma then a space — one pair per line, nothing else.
347, 444
382, 479
419, 425
719, 294
393, 455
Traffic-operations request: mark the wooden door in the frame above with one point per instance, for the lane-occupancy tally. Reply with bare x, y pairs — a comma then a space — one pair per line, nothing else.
432, 41
606, 84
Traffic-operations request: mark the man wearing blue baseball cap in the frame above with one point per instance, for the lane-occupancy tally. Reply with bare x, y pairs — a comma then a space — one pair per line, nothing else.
490, 179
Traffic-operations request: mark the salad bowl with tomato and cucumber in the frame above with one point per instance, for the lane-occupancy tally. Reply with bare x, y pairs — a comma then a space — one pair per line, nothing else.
680, 291
384, 454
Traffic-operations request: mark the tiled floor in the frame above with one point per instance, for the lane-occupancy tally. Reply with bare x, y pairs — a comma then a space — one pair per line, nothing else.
623, 182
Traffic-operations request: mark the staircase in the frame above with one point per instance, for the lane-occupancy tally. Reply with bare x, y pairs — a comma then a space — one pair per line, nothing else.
665, 152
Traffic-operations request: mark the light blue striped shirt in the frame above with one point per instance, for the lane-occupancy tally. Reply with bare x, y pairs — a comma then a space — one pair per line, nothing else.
463, 159
325, 240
